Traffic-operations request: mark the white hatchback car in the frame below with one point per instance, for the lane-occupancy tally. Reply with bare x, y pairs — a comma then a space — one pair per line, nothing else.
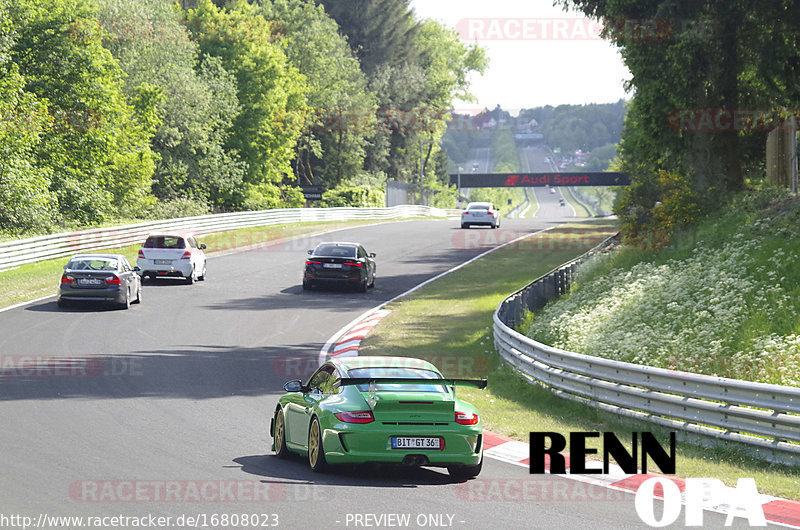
480, 213
171, 254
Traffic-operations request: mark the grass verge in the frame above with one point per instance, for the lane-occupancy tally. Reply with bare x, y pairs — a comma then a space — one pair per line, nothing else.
39, 279
581, 209
448, 322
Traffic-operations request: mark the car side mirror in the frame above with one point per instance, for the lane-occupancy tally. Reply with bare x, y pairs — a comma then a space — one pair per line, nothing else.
202, 246
310, 252
137, 269
65, 267
295, 385
371, 254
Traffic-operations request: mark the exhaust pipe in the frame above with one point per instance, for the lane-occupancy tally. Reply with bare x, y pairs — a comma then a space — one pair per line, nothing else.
415, 460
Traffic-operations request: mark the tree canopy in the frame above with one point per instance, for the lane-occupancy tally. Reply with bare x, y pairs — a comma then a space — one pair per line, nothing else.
142, 108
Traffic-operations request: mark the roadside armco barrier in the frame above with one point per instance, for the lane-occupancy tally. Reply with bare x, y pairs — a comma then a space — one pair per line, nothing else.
19, 252
763, 418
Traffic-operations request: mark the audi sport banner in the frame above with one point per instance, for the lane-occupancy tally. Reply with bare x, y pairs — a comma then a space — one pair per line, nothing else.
500, 180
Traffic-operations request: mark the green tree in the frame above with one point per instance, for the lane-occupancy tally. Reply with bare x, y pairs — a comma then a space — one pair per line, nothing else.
342, 108
26, 202
709, 55
197, 105
95, 149
270, 90
380, 32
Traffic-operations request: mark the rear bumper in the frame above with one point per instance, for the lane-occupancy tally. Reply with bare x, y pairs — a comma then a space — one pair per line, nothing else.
353, 279
109, 294
363, 444
480, 221
183, 268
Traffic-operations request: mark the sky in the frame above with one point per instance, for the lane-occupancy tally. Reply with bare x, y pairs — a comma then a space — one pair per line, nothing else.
539, 54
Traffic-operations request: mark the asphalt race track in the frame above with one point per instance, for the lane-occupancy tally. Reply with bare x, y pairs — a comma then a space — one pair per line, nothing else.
164, 409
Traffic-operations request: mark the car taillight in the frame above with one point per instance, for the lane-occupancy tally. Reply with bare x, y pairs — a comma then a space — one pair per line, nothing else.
490, 213
466, 418
354, 263
309, 262
361, 416
114, 280
141, 253
66, 279
187, 255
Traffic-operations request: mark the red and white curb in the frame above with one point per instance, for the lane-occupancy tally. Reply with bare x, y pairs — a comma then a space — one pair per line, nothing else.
776, 510
347, 341
347, 345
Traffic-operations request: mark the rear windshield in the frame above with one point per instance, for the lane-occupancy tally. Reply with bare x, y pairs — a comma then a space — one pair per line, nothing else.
411, 373
481, 207
164, 242
335, 251
93, 264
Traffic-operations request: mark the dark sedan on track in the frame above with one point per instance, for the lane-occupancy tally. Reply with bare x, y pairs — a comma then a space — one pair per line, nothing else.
107, 278
340, 263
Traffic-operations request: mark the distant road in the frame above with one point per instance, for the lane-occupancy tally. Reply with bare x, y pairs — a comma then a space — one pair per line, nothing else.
549, 206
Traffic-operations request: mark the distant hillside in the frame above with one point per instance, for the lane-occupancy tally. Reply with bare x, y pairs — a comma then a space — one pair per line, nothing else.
591, 130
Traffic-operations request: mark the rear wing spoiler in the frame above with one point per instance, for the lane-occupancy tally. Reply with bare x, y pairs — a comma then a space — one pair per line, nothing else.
347, 381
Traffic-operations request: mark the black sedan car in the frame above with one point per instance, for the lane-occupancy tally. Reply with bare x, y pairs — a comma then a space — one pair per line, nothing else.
342, 263
105, 278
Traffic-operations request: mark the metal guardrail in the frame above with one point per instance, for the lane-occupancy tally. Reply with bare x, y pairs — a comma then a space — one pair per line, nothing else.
761, 417
19, 252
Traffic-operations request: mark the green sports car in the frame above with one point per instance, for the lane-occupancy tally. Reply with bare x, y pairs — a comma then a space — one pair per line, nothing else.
380, 409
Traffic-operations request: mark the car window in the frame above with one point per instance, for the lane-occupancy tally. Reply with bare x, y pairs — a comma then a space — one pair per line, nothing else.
125, 265
403, 372
93, 264
165, 242
361, 252
335, 251
322, 381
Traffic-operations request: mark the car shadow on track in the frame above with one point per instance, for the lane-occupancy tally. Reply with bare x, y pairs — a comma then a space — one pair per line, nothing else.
73, 307
191, 371
295, 468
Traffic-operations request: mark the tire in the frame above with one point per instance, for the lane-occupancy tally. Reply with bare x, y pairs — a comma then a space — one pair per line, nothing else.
462, 472
464, 226
279, 436
138, 294
372, 283
202, 277
191, 278
316, 453
126, 304
362, 287
62, 303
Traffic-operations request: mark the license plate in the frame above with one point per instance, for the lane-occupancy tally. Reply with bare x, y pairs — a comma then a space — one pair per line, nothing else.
415, 442
332, 265
89, 281
163, 262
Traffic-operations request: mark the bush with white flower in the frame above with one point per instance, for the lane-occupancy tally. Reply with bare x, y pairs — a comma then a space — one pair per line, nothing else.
726, 307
